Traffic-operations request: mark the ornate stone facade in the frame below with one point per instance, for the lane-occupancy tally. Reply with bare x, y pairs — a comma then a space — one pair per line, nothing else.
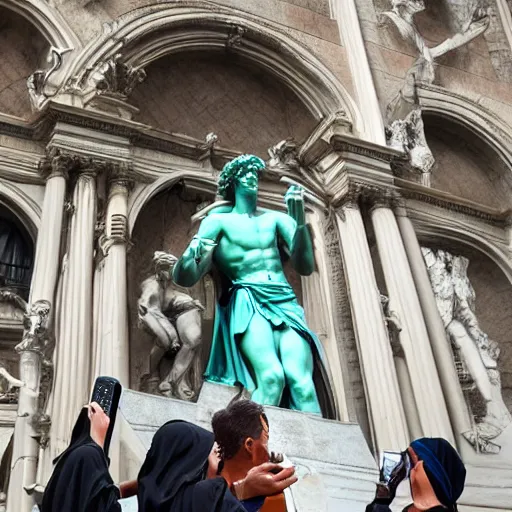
394, 116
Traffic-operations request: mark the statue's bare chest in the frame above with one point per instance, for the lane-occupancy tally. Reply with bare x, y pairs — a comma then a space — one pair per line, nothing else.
249, 232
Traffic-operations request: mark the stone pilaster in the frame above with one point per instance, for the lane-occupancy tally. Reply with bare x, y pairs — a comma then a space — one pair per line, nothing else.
414, 338
380, 380
35, 347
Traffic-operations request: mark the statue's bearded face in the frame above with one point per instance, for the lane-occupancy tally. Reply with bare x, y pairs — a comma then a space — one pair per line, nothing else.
248, 182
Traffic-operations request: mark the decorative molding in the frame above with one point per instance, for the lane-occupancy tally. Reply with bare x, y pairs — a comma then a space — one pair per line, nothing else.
38, 80
150, 32
118, 79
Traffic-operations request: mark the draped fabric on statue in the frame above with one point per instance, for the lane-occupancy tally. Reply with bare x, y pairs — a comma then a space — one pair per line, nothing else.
278, 304
15, 255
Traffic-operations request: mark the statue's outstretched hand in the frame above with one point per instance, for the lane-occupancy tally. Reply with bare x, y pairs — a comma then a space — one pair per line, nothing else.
294, 199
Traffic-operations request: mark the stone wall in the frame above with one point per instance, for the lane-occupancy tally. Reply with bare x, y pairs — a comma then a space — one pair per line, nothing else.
23, 51
197, 94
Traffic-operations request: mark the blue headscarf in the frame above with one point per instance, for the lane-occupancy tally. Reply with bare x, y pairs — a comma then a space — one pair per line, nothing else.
444, 468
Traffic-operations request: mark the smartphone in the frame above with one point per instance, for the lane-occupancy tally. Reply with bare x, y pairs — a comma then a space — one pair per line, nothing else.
390, 461
107, 393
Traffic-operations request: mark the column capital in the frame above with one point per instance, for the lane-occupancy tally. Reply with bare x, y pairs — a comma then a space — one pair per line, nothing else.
119, 179
56, 163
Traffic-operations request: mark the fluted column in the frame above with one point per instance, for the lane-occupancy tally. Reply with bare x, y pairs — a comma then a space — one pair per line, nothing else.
441, 349
73, 348
113, 349
31, 349
414, 337
380, 380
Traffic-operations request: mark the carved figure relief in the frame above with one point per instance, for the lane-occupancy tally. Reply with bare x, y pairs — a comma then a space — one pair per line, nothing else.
394, 326
174, 318
478, 355
405, 125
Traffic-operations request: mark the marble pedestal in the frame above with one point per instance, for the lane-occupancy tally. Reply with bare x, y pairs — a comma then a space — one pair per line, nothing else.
337, 471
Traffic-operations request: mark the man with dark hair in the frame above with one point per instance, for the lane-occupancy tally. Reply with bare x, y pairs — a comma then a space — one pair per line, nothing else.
241, 432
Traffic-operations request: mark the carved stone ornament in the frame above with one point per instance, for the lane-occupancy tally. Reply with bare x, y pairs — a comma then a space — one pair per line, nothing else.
235, 36
402, 15
394, 326
475, 355
175, 357
408, 135
38, 80
118, 79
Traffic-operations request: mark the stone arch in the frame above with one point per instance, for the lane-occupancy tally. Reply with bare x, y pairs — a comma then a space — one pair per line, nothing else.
146, 34
472, 148
453, 234
485, 124
142, 198
47, 20
24, 207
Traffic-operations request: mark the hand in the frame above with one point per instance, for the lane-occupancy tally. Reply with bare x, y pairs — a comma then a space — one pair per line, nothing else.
129, 488
99, 423
294, 199
260, 481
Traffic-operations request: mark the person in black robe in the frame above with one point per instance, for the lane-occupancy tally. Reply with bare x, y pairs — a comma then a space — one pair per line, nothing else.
81, 481
179, 475
437, 478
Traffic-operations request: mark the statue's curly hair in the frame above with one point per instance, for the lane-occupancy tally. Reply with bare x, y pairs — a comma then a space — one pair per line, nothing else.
233, 170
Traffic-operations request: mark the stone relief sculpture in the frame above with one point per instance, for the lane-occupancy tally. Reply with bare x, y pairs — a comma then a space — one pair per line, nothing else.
408, 135
38, 80
405, 124
260, 338
174, 318
455, 299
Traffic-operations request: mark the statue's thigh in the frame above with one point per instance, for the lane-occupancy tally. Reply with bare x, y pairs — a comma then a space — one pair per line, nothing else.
257, 344
295, 352
188, 325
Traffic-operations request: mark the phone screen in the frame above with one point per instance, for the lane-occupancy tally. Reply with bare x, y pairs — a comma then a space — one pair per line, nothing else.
389, 461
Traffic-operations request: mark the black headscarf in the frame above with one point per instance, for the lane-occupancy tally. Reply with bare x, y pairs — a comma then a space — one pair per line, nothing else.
80, 481
444, 468
172, 476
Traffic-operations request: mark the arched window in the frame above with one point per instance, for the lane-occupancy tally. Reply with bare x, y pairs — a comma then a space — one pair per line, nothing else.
16, 253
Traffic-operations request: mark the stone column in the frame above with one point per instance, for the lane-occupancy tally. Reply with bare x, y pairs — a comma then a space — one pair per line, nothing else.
428, 393
345, 12
441, 349
113, 349
382, 392
32, 349
73, 347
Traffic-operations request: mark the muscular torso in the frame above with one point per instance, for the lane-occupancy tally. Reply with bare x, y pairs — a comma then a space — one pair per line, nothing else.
248, 245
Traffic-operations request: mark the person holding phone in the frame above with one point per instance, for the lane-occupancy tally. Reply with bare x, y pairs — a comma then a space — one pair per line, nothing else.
81, 481
436, 474
180, 474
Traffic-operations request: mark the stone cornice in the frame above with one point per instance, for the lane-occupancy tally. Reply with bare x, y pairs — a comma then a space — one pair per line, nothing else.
346, 144
415, 191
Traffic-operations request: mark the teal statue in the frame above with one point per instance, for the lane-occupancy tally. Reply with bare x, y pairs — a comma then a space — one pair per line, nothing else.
260, 337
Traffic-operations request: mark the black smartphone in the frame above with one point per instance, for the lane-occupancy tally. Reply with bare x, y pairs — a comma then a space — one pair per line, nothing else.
390, 462
107, 393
